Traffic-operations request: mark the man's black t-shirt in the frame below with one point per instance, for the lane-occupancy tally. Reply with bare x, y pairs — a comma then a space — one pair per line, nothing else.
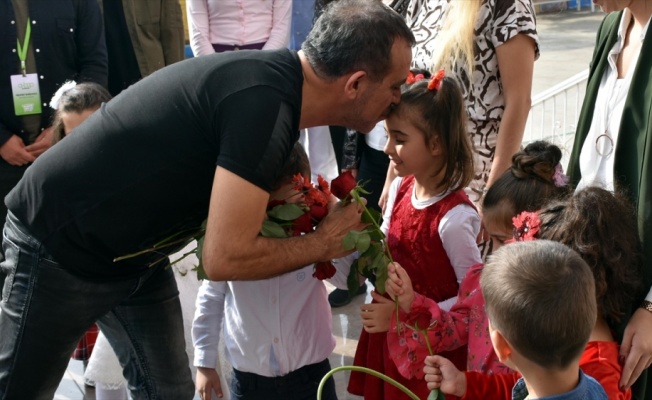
141, 168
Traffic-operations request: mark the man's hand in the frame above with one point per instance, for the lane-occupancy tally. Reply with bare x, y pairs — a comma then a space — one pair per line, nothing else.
336, 225
42, 143
14, 152
208, 381
377, 316
399, 286
636, 348
441, 374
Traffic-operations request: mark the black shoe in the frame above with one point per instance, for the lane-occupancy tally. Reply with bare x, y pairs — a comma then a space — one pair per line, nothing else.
341, 297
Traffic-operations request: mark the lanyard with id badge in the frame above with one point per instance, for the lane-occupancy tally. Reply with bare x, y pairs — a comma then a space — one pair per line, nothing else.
24, 87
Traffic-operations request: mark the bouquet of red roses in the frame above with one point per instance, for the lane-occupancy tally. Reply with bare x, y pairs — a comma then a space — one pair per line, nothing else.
285, 218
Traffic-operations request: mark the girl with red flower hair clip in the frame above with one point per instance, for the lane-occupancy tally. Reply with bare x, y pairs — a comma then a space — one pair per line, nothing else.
526, 186
601, 227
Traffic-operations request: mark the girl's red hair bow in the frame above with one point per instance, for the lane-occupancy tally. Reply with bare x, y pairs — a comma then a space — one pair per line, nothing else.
435, 82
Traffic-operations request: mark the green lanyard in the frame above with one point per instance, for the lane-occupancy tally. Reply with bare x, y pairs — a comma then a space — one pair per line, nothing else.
22, 50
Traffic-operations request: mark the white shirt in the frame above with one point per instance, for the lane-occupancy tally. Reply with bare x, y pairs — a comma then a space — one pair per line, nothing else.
377, 138
598, 151
271, 326
321, 154
458, 230
238, 22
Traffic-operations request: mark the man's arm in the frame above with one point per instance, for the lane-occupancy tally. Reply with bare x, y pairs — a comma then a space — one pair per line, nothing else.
233, 250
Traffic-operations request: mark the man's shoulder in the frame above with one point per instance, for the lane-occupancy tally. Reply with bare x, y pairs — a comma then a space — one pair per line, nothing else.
238, 70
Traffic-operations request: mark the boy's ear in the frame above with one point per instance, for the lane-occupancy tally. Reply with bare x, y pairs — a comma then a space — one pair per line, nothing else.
501, 346
354, 84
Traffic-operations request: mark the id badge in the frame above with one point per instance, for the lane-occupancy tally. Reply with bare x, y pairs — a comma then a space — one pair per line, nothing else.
26, 94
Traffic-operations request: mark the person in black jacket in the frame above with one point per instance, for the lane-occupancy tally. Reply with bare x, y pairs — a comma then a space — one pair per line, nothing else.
66, 42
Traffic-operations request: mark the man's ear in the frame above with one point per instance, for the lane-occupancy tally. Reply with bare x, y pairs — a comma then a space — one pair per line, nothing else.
354, 84
501, 346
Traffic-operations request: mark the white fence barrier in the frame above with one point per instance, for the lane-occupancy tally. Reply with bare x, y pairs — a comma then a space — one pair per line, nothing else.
554, 113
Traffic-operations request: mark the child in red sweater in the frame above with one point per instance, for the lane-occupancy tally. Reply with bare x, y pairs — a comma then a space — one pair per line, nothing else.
600, 226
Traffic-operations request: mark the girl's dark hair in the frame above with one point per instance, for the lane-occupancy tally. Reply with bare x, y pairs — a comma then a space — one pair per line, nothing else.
440, 115
601, 227
297, 163
528, 184
82, 97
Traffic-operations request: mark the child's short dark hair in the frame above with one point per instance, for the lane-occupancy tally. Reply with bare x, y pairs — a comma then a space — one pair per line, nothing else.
541, 296
81, 97
440, 115
297, 163
528, 184
601, 227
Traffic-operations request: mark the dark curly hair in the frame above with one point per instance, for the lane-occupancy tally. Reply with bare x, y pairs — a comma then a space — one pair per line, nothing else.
601, 227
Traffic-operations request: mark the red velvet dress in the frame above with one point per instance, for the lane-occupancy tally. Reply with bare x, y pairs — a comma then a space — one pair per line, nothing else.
414, 242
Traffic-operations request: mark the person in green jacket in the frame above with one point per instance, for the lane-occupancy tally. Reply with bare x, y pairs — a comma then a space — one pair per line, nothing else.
155, 30
613, 149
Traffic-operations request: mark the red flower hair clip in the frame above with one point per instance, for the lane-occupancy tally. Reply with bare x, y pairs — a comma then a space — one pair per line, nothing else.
412, 78
435, 81
526, 226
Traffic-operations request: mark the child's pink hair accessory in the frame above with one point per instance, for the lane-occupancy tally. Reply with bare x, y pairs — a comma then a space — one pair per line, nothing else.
526, 226
435, 81
559, 178
412, 78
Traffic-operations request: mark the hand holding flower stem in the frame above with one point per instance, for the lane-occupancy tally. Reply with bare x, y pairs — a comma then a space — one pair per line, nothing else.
435, 394
374, 254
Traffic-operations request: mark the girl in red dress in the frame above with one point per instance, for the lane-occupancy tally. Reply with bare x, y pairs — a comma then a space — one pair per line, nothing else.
430, 223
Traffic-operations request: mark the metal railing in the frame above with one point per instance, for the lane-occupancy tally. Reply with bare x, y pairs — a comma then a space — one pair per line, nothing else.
554, 113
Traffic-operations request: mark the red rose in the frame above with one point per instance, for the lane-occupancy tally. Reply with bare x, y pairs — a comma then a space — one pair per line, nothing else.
324, 270
419, 318
303, 224
318, 212
342, 185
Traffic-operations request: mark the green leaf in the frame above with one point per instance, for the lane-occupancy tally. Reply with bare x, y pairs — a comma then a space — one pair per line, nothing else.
353, 280
363, 242
363, 263
380, 283
380, 269
272, 229
201, 274
376, 235
286, 212
371, 216
350, 240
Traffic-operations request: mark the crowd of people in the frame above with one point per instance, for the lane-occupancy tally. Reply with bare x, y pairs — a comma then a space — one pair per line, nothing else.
509, 279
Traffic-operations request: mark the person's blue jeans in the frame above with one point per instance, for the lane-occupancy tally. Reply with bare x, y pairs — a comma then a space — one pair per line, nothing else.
45, 310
